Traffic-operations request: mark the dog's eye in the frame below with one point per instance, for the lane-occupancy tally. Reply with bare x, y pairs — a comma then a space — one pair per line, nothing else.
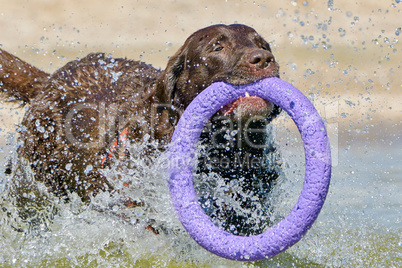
218, 48
265, 47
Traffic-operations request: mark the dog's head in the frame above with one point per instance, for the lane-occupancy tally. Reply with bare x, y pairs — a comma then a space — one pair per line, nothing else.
235, 53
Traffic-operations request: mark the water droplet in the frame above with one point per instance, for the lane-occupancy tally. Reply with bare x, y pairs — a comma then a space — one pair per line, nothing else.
293, 66
292, 105
351, 104
88, 169
69, 166
146, 137
330, 4
398, 31
115, 76
342, 32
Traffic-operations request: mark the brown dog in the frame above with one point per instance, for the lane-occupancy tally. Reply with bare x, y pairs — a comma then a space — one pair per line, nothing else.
75, 114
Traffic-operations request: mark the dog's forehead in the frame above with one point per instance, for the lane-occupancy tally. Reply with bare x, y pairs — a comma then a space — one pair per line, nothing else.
220, 32
241, 28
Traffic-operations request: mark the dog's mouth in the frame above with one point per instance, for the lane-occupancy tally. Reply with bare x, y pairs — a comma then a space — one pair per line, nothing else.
248, 106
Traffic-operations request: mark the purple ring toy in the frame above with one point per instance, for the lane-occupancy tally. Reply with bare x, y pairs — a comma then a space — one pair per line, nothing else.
317, 175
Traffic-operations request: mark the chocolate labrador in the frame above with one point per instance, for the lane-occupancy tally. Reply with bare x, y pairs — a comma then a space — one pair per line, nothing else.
77, 118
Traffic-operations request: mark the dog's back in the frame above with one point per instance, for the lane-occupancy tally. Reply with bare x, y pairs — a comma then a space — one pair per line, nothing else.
75, 113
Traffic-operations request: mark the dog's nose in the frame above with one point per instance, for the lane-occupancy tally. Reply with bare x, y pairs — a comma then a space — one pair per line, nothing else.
260, 58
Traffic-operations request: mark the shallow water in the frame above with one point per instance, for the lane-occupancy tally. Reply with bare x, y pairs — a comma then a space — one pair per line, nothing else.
360, 223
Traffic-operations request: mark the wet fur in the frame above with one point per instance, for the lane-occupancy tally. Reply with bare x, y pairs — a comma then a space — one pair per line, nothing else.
72, 101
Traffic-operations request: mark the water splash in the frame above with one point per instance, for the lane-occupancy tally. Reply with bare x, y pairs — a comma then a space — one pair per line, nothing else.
39, 229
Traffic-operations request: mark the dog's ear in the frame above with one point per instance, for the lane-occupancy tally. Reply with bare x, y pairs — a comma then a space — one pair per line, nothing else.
171, 75
19, 81
176, 68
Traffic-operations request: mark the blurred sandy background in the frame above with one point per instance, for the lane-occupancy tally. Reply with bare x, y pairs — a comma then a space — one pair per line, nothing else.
345, 55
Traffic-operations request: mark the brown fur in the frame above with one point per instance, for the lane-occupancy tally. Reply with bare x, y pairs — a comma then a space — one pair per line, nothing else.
75, 113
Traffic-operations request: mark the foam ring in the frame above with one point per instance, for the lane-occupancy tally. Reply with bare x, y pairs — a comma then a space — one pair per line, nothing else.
317, 175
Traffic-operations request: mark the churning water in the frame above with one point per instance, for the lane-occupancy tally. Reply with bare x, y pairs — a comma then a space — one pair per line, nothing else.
360, 223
